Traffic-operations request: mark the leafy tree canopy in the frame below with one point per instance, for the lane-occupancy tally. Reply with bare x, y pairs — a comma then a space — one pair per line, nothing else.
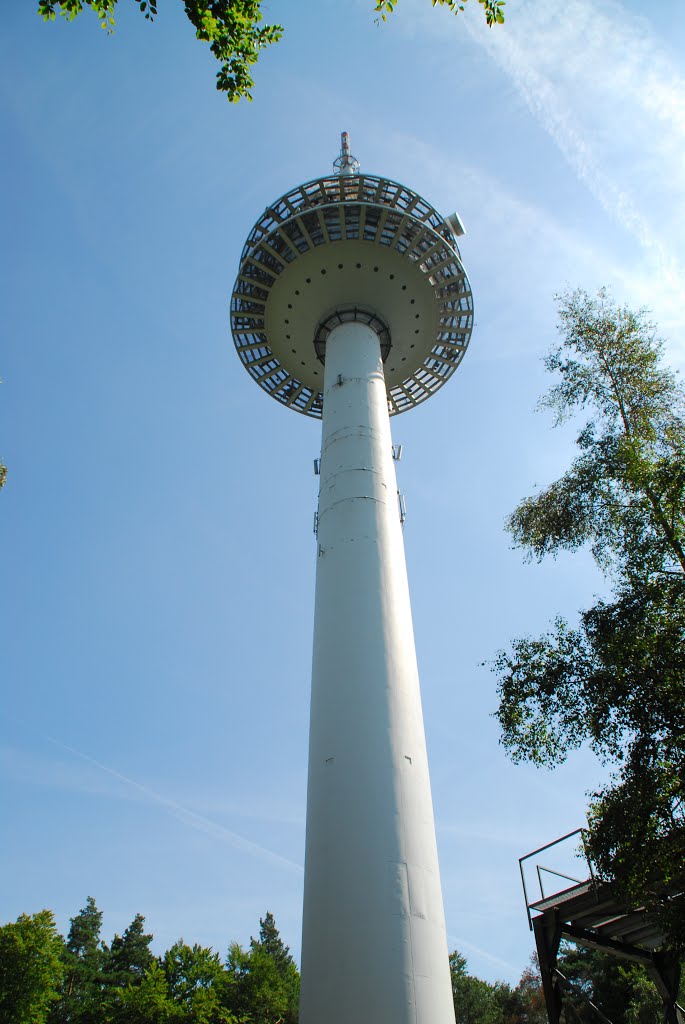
263, 982
233, 29
615, 680
622, 991
475, 1001
30, 968
480, 1002
190, 985
492, 9
149, 1002
194, 975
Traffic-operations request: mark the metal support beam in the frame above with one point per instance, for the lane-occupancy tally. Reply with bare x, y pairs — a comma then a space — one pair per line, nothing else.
547, 931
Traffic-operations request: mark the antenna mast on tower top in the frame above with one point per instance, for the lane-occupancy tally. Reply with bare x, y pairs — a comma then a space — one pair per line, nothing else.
346, 163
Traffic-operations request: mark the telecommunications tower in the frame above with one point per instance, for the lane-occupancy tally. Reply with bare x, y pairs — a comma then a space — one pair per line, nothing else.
352, 305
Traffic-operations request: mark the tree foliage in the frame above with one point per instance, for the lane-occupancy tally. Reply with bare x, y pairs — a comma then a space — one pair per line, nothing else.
616, 679
481, 1002
30, 968
232, 28
129, 955
258, 985
194, 981
83, 966
622, 991
475, 1001
263, 982
492, 9
148, 1002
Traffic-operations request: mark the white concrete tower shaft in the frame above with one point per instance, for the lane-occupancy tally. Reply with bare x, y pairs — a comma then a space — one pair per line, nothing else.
374, 949
351, 304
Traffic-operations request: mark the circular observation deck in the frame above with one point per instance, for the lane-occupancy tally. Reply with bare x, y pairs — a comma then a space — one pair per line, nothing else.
351, 247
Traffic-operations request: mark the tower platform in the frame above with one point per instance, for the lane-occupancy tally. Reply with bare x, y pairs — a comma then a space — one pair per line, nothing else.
590, 913
360, 243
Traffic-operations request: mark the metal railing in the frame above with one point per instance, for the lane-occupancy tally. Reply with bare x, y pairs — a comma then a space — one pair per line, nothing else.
541, 868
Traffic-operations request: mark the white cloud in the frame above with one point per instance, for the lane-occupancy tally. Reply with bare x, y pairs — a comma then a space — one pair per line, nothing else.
556, 255
597, 82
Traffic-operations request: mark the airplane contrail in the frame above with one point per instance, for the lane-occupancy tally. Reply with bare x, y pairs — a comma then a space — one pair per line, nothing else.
188, 817
463, 944
519, 52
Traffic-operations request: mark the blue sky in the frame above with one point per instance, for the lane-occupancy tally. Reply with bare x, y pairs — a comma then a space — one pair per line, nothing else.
158, 562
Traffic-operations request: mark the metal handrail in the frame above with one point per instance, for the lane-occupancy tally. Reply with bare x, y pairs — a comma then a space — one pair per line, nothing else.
548, 846
559, 874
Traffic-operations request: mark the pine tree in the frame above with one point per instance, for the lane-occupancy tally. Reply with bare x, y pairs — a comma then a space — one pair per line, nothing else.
129, 956
263, 983
271, 943
84, 959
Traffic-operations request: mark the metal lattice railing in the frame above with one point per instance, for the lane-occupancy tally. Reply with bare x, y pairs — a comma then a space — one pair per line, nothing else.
350, 208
